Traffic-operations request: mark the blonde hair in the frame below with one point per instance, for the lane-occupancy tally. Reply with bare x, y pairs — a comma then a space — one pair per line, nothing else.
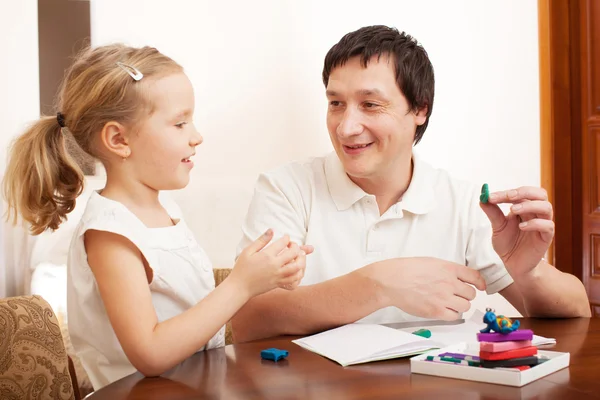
42, 180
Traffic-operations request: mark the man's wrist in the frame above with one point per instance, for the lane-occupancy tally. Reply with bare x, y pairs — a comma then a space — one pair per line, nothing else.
529, 277
367, 276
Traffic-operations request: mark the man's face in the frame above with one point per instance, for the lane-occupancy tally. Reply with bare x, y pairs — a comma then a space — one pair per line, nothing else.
369, 120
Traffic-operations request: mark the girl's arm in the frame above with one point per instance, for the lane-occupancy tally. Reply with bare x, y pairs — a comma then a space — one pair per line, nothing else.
153, 347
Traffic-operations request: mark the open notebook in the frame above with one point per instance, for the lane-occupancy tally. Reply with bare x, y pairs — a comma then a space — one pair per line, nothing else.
361, 343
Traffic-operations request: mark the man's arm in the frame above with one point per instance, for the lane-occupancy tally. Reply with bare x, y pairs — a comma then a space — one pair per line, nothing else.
308, 309
548, 292
421, 286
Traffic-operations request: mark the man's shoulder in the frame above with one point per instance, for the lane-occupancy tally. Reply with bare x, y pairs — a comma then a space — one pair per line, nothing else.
449, 186
297, 173
454, 183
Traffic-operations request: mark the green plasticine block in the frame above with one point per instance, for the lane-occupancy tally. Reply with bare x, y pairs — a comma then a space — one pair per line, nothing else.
485, 193
426, 333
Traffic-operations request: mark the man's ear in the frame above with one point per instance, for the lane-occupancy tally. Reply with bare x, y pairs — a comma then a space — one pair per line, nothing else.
114, 138
421, 115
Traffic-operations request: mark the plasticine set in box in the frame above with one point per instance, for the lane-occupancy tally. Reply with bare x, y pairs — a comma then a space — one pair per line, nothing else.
503, 354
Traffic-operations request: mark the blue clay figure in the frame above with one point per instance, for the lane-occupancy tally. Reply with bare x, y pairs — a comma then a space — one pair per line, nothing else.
499, 324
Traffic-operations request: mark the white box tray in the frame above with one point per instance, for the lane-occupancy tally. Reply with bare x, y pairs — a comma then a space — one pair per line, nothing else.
556, 362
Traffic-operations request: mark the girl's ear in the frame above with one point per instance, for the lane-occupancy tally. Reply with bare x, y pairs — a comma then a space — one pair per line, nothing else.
114, 138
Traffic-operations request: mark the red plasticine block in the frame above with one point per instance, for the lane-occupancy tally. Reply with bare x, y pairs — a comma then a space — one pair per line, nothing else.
525, 334
510, 354
521, 368
503, 346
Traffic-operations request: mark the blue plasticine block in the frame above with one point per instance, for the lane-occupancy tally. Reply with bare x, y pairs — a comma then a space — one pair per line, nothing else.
273, 354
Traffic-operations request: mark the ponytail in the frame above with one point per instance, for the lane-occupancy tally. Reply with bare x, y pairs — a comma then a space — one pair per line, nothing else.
42, 181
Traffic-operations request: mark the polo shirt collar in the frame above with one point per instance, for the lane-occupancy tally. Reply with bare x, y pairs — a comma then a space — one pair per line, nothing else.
419, 198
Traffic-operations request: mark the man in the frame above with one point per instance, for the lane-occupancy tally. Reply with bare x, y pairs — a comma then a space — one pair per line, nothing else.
395, 239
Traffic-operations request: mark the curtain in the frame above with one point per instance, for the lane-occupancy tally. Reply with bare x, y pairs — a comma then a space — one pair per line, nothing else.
15, 258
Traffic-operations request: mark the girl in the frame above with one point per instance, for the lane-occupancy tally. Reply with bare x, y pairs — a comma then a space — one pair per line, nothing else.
140, 291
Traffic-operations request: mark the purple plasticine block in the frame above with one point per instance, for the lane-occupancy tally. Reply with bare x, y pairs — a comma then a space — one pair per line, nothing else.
525, 334
460, 356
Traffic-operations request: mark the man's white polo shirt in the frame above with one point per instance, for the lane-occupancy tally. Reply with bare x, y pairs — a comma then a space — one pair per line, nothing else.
316, 203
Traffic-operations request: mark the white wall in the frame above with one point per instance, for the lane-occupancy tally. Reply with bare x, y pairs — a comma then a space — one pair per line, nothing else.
256, 67
19, 105
19, 70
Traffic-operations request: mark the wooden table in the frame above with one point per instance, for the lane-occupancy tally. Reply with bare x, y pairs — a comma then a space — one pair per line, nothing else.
237, 372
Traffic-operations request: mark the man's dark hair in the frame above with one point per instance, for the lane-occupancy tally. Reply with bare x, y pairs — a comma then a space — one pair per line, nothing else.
414, 72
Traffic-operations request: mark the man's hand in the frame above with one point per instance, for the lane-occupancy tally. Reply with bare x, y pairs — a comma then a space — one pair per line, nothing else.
522, 237
425, 287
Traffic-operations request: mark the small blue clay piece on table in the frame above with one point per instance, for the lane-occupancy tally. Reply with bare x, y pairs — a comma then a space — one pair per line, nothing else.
273, 354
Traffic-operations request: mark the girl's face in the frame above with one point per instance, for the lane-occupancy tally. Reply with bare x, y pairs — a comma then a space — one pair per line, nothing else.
161, 151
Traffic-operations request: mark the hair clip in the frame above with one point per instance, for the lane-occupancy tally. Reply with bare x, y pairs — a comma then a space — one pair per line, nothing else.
132, 71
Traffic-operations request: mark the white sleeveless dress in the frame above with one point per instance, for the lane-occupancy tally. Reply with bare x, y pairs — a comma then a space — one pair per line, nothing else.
182, 276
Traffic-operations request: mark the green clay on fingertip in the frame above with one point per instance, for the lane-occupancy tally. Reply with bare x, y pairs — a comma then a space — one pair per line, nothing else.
485, 193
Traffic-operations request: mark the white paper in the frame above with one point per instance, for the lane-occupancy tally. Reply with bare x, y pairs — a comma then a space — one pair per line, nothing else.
358, 343
540, 340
